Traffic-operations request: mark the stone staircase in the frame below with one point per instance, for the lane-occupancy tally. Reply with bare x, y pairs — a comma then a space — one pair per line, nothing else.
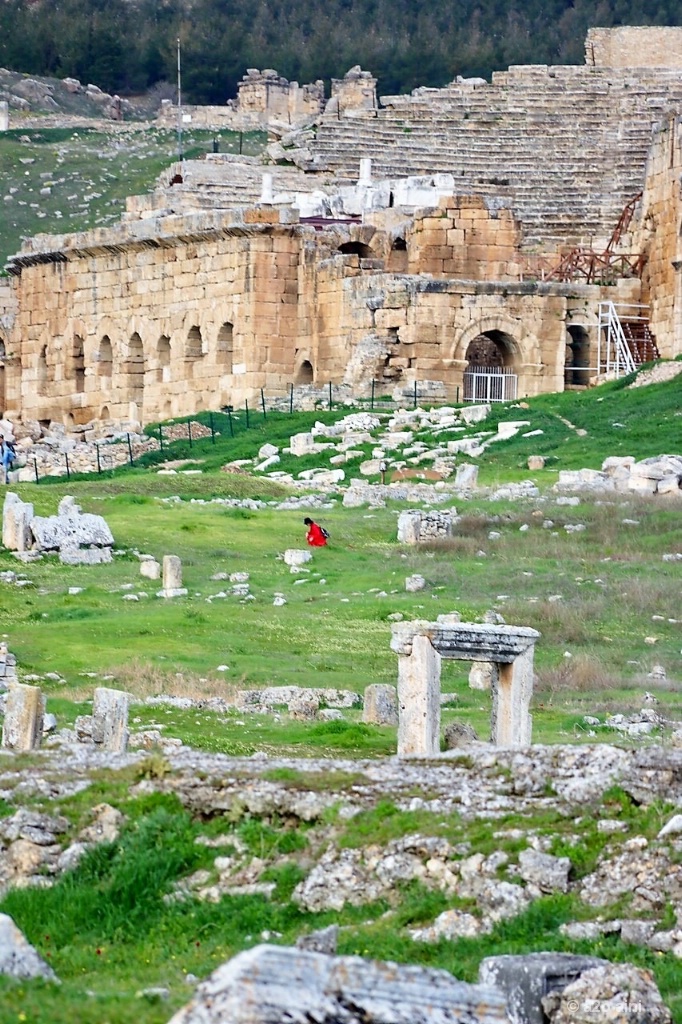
567, 146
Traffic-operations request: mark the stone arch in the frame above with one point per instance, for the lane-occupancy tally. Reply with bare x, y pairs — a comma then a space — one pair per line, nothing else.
105, 357
77, 363
104, 413
194, 343
506, 332
225, 347
577, 362
42, 375
163, 359
304, 373
360, 249
133, 370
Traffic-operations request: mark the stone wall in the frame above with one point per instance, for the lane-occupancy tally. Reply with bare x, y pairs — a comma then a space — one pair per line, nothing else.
168, 315
634, 47
659, 236
263, 97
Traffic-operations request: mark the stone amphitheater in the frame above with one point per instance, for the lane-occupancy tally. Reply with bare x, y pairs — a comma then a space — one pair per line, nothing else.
485, 241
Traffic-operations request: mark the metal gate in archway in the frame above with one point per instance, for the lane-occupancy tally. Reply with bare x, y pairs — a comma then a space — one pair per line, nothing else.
489, 384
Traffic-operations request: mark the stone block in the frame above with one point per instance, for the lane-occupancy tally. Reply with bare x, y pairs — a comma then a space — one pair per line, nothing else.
110, 719
524, 980
270, 984
380, 704
22, 728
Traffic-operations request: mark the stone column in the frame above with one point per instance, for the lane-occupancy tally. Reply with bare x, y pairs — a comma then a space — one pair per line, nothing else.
365, 171
172, 578
266, 190
16, 523
110, 720
380, 705
409, 526
510, 721
4, 116
22, 729
419, 700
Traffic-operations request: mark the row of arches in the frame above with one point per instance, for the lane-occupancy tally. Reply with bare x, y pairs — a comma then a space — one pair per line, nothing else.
131, 364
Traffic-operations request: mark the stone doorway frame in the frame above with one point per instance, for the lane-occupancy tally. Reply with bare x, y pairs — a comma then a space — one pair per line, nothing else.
420, 646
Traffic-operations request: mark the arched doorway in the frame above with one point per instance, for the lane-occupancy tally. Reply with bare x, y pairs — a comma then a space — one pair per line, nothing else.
193, 348
163, 356
356, 249
304, 374
225, 347
105, 359
134, 371
78, 364
489, 375
577, 361
41, 371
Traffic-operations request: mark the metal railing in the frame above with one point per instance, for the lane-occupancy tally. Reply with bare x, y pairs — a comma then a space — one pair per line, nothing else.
490, 384
613, 352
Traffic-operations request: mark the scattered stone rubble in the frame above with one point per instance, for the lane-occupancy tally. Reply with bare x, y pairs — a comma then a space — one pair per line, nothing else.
659, 475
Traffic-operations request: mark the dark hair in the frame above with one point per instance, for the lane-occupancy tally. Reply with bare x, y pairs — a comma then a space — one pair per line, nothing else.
307, 521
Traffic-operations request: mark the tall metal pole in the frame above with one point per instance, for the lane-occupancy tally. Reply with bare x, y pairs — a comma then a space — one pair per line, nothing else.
179, 107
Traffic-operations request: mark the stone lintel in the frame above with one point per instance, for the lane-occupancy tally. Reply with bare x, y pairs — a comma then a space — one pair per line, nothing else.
466, 641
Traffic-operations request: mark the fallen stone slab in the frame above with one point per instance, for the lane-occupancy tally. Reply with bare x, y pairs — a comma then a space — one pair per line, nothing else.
273, 984
525, 980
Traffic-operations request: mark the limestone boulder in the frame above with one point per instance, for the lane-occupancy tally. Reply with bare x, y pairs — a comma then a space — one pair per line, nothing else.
18, 958
272, 984
613, 992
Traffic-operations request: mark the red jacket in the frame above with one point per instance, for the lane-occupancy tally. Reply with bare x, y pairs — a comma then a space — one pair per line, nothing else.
315, 537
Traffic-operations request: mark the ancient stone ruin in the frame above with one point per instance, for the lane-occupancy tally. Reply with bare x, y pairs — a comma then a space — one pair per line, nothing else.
420, 647
79, 538
455, 261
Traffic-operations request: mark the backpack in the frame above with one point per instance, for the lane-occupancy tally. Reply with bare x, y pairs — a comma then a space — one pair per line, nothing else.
11, 449
325, 533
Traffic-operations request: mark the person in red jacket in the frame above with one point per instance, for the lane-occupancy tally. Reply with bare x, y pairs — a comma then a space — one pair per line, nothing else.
316, 535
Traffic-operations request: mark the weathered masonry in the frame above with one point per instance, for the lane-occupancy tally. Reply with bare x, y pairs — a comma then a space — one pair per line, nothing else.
420, 646
472, 254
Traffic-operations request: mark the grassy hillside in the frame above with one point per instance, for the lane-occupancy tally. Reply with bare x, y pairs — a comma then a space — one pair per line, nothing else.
605, 600
59, 180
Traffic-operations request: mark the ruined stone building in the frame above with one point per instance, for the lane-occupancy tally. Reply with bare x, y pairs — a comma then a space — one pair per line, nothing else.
462, 238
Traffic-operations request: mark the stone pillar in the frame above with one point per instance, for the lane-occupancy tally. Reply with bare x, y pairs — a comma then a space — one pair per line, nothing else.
266, 190
172, 578
16, 523
4, 115
380, 705
110, 720
365, 171
409, 526
466, 476
419, 700
510, 721
22, 729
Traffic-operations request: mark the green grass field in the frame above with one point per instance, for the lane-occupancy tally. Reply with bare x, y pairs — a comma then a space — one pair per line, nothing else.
605, 601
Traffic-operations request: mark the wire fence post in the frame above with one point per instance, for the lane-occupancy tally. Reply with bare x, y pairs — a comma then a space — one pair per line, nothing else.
291, 398
246, 407
68, 471
189, 432
372, 399
35, 469
130, 450
229, 419
160, 438
210, 420
330, 394
99, 467
262, 400
414, 406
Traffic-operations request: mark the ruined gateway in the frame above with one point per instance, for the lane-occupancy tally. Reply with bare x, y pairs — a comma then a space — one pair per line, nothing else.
470, 230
